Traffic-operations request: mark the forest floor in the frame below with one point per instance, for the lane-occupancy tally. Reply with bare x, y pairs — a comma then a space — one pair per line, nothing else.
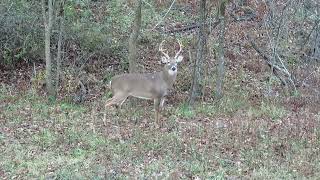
241, 137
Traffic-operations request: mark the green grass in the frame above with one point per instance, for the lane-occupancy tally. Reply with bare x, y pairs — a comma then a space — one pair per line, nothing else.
269, 110
185, 111
56, 140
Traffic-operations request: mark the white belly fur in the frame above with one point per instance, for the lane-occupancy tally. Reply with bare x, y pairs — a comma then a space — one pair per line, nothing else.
142, 97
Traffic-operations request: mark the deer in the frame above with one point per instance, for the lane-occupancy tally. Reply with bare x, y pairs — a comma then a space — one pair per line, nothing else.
150, 86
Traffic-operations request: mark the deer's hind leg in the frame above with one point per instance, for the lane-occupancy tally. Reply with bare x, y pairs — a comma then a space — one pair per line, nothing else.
118, 99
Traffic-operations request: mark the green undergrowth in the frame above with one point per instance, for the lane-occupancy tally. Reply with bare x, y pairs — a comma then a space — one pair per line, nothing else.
67, 141
232, 103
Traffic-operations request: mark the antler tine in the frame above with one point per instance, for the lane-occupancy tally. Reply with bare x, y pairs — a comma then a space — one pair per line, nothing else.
177, 54
161, 50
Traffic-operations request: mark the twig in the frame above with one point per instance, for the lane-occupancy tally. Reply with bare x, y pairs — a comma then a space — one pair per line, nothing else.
164, 15
303, 81
288, 73
85, 62
313, 28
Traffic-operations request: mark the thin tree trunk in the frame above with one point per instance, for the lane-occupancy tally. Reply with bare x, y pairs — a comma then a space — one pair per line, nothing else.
60, 45
198, 66
48, 25
316, 54
133, 66
221, 61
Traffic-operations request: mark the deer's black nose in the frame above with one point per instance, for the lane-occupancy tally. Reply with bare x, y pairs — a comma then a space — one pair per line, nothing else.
173, 68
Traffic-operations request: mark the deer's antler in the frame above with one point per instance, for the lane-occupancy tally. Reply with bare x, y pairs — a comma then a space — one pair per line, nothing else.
161, 50
177, 54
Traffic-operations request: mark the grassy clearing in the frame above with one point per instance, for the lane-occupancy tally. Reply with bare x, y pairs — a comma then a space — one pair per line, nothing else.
41, 140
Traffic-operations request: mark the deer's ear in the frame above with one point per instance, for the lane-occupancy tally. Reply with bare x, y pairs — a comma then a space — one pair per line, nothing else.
164, 59
179, 59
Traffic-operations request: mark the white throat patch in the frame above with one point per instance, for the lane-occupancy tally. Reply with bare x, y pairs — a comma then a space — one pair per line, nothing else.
171, 73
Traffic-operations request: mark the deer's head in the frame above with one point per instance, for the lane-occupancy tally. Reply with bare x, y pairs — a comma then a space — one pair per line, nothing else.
171, 62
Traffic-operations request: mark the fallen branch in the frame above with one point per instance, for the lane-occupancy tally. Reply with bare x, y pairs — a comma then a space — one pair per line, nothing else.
264, 55
276, 68
191, 27
249, 14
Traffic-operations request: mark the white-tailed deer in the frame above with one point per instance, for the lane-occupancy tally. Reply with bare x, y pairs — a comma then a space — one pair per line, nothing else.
152, 86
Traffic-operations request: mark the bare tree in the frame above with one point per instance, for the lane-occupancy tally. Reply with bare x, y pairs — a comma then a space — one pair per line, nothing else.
278, 50
48, 21
198, 66
133, 67
221, 61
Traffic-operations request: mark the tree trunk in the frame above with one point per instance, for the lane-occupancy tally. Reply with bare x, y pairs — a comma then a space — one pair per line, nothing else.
48, 26
60, 45
316, 54
133, 66
221, 70
198, 66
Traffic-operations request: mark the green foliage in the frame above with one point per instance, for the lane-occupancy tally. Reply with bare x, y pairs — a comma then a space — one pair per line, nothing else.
184, 110
267, 109
97, 31
62, 140
292, 61
12, 56
83, 27
73, 135
194, 149
66, 107
109, 94
207, 109
93, 29
20, 32
45, 138
78, 152
230, 105
4, 92
95, 141
107, 77
52, 99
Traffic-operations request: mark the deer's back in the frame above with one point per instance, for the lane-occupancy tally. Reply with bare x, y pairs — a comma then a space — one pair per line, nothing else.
146, 86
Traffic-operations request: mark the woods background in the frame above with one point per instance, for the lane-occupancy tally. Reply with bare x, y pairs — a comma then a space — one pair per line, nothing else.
245, 105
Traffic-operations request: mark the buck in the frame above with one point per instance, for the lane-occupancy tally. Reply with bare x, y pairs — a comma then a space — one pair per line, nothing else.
152, 86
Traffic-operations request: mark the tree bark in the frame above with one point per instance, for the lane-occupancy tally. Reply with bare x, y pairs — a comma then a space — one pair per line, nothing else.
316, 54
59, 53
47, 17
198, 66
221, 61
133, 66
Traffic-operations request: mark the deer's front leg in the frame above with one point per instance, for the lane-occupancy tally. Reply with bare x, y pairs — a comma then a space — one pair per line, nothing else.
156, 108
162, 103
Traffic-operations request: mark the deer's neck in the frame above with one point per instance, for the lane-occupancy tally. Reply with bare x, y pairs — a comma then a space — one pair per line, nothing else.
168, 78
